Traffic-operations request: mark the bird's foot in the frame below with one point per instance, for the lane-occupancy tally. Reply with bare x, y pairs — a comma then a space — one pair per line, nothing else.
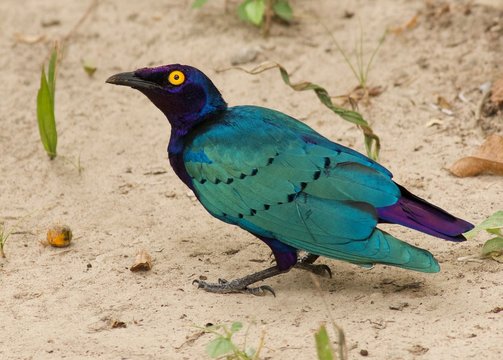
241, 285
306, 263
227, 287
320, 270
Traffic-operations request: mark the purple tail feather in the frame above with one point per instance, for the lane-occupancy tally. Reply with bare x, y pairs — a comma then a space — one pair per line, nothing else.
418, 214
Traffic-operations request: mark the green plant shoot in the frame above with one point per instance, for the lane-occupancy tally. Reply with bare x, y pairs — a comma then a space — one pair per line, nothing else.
198, 3
371, 140
360, 70
493, 248
323, 345
45, 106
4, 235
259, 12
223, 345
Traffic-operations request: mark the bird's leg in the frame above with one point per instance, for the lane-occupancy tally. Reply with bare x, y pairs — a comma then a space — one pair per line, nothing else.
306, 263
309, 258
241, 285
286, 258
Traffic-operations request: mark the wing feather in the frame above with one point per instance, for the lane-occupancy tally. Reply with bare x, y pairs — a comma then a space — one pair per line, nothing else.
276, 177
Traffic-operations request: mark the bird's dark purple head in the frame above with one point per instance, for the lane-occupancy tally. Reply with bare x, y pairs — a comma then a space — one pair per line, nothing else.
183, 93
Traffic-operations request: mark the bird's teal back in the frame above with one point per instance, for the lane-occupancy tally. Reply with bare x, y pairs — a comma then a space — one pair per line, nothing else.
275, 177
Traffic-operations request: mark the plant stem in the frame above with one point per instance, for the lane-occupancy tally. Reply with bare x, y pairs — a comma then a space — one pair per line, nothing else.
268, 14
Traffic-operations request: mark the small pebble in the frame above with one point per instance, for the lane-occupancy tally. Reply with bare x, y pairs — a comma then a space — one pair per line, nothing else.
244, 56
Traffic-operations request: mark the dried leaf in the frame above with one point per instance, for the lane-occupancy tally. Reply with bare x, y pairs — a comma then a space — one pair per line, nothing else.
409, 25
497, 92
443, 103
375, 90
116, 324
28, 39
412, 23
52, 22
434, 122
143, 261
487, 159
418, 350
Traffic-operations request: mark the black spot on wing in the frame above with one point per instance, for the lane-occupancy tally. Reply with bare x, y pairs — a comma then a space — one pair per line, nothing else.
316, 174
291, 197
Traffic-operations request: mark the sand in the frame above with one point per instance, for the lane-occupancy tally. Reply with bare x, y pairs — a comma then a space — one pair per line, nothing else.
84, 302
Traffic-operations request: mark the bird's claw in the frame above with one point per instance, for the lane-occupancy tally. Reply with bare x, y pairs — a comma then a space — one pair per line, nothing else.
323, 271
320, 270
225, 287
260, 290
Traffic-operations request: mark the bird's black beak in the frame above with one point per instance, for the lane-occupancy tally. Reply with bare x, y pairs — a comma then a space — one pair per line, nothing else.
132, 80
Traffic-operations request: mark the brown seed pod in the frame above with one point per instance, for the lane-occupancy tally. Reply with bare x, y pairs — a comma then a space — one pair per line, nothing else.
59, 236
143, 261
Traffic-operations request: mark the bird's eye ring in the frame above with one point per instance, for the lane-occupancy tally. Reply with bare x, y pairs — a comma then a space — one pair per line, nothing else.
176, 77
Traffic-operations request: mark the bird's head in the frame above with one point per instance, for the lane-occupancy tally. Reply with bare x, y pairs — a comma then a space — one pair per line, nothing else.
183, 93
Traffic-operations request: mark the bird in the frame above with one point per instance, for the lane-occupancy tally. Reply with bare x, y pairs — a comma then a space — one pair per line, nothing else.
288, 185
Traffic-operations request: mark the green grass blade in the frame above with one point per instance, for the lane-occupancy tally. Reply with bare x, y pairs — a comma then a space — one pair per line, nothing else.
323, 345
51, 73
283, 9
372, 141
341, 51
45, 117
198, 3
374, 53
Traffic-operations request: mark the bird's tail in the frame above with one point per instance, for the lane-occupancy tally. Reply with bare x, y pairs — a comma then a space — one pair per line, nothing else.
418, 214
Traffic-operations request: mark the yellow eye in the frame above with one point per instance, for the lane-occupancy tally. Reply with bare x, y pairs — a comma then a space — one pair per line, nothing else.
176, 77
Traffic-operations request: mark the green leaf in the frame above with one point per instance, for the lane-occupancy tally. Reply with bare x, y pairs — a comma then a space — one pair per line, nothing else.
236, 326
323, 345
255, 11
45, 117
283, 9
492, 224
219, 346
242, 10
51, 78
250, 353
88, 68
198, 3
493, 248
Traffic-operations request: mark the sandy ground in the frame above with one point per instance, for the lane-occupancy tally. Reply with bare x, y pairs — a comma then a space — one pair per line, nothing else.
62, 303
